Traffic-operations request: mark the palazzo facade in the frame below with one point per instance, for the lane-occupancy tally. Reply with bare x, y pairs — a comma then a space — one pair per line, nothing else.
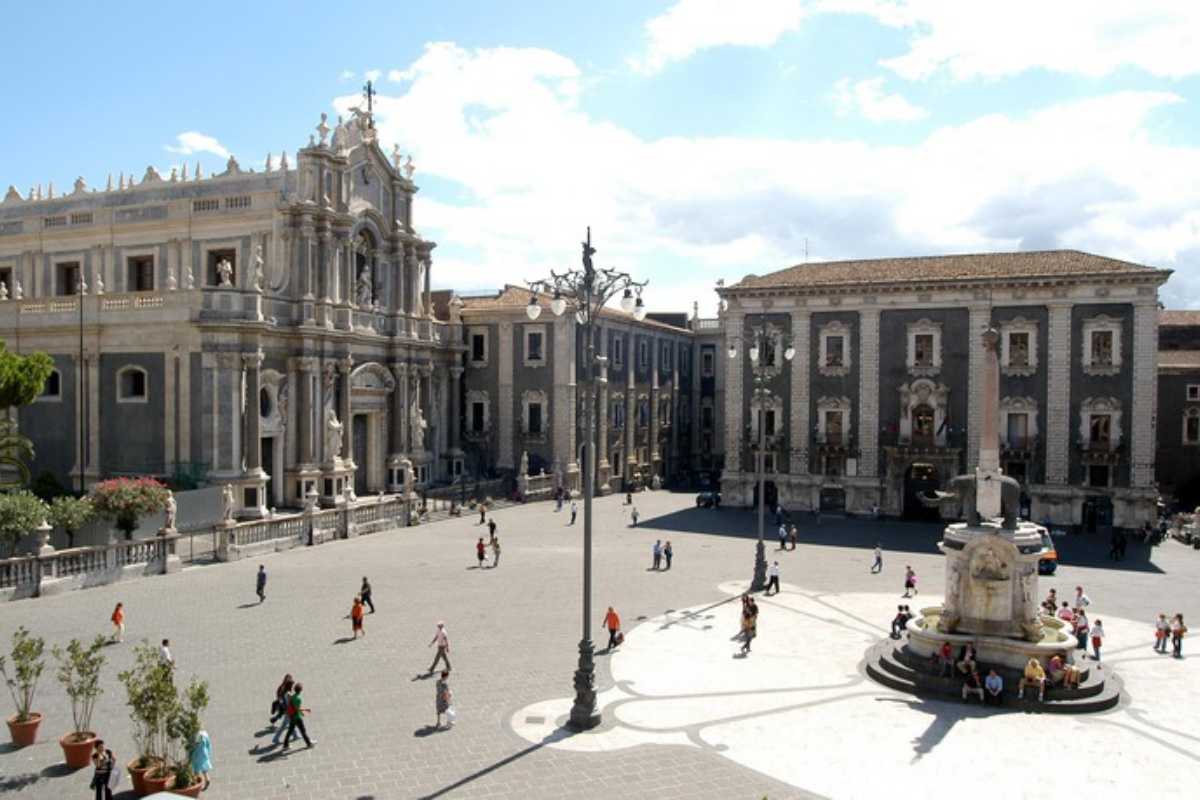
271, 329
882, 400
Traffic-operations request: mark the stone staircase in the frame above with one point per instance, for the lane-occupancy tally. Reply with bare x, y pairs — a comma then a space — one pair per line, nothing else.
892, 664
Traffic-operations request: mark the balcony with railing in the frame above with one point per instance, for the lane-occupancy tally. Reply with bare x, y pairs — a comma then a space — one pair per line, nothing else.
1100, 450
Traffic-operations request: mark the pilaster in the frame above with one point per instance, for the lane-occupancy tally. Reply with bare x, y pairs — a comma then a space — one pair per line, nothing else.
1145, 393
798, 424
734, 393
505, 402
1058, 392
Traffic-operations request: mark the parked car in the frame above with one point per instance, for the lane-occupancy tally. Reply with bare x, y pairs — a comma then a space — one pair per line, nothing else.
708, 499
1048, 561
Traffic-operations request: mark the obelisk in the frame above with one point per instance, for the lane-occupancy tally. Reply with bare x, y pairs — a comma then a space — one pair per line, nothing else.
987, 471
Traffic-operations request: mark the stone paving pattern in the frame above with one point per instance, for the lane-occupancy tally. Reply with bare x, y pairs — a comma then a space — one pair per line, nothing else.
514, 632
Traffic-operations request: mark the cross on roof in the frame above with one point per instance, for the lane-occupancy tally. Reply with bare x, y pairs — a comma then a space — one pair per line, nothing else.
369, 93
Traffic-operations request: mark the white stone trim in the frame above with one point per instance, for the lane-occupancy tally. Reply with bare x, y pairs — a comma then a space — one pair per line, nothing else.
1192, 412
505, 396
734, 409
1144, 422
1091, 406
526, 330
145, 398
1018, 325
1019, 405
56, 259
841, 404
529, 398
829, 329
208, 246
924, 327
1097, 324
924, 391
485, 332
773, 404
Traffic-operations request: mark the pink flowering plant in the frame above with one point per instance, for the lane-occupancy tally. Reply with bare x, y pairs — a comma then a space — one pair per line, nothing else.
127, 500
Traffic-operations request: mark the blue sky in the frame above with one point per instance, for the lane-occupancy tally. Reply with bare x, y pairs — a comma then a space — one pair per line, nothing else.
700, 139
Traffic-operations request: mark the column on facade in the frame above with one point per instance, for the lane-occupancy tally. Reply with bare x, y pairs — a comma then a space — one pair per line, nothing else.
868, 400
227, 416
1058, 392
455, 427
304, 413
92, 466
304, 261
1145, 392
252, 380
505, 396
427, 289
601, 387
630, 408
734, 391
979, 317
323, 271
344, 366
397, 444
397, 268
414, 291
674, 418
799, 423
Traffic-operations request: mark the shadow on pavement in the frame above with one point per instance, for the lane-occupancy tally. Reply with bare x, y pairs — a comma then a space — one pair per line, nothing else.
893, 535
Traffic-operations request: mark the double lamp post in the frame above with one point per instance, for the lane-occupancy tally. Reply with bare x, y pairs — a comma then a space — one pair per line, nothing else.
586, 291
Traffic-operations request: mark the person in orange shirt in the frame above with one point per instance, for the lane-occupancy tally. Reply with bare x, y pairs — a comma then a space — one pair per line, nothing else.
613, 623
118, 621
356, 616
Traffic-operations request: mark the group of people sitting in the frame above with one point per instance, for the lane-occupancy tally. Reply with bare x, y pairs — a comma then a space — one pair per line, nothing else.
991, 689
900, 621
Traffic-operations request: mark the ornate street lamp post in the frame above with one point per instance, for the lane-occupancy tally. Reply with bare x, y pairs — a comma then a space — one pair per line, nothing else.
761, 342
587, 291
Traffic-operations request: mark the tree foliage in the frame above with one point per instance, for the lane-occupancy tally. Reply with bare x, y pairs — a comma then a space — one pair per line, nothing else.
79, 673
69, 514
27, 665
20, 513
127, 500
22, 377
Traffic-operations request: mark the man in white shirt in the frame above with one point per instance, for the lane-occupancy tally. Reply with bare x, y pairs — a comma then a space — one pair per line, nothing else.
782, 536
164, 653
773, 577
878, 565
1081, 599
442, 639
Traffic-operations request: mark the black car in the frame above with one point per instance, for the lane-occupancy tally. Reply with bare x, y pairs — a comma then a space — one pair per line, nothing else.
708, 499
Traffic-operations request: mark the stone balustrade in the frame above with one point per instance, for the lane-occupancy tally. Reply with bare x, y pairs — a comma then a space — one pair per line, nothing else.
55, 571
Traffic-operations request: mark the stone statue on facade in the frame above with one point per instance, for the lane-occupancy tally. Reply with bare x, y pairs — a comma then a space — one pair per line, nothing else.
225, 272
333, 435
258, 269
172, 508
418, 426
524, 462
3, 291
365, 288
227, 503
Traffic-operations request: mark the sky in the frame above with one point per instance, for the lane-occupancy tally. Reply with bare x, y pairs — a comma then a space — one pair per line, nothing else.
701, 140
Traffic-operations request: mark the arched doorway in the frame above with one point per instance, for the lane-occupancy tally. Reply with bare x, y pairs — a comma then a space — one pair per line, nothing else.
919, 478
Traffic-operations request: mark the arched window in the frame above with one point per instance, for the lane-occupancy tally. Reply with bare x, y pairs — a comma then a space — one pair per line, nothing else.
133, 386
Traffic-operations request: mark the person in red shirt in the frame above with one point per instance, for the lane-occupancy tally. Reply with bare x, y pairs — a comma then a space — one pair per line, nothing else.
613, 623
356, 617
480, 551
118, 621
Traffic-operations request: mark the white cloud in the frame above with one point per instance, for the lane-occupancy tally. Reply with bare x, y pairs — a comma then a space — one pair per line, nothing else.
868, 99
372, 74
190, 142
963, 39
346, 75
523, 168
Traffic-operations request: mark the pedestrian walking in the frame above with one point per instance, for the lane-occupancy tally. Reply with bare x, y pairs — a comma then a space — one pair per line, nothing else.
749, 625
773, 577
442, 640
877, 566
441, 701
365, 594
491, 527
1082, 628
668, 553
782, 533
629, 498
118, 621
260, 583
793, 535
480, 551
495, 552
910, 581
1081, 599
574, 511
296, 712
657, 552
356, 618
1162, 630
201, 757
482, 513
1178, 629
613, 623
279, 706
103, 762
164, 654
1097, 638
633, 515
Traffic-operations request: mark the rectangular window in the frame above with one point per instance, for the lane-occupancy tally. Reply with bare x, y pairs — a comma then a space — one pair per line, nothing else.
478, 415
1018, 349
833, 427
643, 354
6, 279
1100, 428
535, 417
533, 346
68, 278
213, 273
834, 351
768, 462
923, 350
706, 417
1191, 430
707, 363
769, 422
1193, 390
706, 443
1098, 475
1102, 348
478, 347
618, 414
618, 351
140, 274
666, 355
1018, 431
52, 389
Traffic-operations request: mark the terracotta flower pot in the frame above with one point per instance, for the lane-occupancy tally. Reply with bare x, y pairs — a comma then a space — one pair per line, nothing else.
77, 749
137, 776
191, 791
158, 782
24, 733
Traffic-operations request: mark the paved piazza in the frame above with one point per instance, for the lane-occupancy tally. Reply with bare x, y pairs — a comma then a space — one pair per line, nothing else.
684, 717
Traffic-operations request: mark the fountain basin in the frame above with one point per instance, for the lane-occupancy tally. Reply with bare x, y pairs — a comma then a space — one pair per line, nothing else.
925, 639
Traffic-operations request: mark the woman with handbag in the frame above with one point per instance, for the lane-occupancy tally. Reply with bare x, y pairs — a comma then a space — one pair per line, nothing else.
104, 761
1178, 629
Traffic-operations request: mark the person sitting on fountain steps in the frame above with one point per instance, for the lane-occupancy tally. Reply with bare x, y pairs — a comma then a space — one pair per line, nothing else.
993, 688
966, 659
1035, 675
972, 686
944, 658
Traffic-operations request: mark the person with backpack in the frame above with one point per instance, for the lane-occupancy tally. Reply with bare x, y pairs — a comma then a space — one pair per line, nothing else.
296, 711
1178, 629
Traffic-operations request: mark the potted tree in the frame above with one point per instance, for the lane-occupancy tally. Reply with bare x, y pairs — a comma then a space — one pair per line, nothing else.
21, 513
70, 514
185, 732
27, 666
79, 673
150, 693
126, 500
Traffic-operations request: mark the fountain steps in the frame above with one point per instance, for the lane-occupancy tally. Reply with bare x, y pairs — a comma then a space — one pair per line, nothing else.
892, 664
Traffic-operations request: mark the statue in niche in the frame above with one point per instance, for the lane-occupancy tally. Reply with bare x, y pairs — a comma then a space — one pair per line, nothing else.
225, 272
333, 435
524, 463
258, 269
227, 503
419, 299
418, 427
365, 288
172, 509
